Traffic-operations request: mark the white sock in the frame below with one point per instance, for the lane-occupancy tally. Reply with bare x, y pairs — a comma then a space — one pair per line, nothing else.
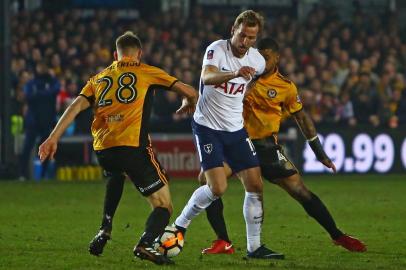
200, 200
253, 214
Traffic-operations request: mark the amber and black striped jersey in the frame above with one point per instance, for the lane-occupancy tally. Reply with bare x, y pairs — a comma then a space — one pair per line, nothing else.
266, 102
122, 98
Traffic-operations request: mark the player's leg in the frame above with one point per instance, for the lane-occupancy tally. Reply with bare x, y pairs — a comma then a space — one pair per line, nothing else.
146, 173
242, 157
161, 204
210, 149
315, 208
253, 206
114, 189
222, 245
278, 169
253, 214
203, 197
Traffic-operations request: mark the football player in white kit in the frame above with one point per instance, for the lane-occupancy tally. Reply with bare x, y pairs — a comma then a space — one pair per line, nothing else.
228, 66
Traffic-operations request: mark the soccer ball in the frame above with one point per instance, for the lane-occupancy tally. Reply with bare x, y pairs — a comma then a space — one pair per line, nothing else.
170, 243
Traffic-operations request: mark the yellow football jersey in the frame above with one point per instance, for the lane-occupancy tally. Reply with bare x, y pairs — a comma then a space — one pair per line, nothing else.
266, 103
122, 96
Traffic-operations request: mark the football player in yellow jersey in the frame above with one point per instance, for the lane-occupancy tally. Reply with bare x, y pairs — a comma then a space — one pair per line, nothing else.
268, 99
121, 96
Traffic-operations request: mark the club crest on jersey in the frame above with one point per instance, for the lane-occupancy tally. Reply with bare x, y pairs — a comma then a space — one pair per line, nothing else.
208, 148
210, 54
272, 93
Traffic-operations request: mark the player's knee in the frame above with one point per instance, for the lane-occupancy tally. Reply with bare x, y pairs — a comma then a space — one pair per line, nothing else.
163, 203
115, 181
304, 194
218, 189
115, 176
252, 180
253, 184
299, 191
202, 178
167, 203
256, 187
161, 198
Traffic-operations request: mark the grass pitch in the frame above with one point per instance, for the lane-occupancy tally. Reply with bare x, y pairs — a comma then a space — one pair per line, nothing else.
48, 225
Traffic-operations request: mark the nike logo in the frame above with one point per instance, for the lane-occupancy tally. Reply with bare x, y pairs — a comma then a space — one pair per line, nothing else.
228, 247
258, 217
224, 69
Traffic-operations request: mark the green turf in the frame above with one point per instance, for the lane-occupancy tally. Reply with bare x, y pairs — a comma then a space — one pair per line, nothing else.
48, 225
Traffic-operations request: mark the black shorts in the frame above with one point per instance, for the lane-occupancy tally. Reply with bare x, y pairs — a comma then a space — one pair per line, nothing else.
139, 163
274, 164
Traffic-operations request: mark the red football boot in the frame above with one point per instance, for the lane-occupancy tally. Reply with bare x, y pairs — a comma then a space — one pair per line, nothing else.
350, 243
219, 246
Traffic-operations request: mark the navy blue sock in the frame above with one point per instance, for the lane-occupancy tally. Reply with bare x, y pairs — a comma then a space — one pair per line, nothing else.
317, 210
114, 190
155, 225
216, 219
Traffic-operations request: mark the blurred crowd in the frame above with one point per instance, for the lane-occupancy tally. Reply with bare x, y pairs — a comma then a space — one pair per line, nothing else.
348, 73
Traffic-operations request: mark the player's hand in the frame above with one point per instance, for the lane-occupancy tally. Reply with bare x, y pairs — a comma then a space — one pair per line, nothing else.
245, 72
47, 149
188, 106
329, 164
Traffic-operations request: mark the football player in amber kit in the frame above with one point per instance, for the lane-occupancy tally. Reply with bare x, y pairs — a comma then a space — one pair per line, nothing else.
121, 96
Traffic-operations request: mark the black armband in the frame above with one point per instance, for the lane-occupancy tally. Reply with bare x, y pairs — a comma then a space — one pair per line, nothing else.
317, 148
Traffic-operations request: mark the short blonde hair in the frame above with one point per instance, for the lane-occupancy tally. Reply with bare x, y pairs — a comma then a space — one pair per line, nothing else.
249, 18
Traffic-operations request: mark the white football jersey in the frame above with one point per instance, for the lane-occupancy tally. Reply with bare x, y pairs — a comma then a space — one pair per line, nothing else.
220, 106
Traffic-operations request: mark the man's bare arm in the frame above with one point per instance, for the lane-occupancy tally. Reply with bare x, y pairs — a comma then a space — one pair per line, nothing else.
48, 148
305, 124
308, 129
79, 104
185, 90
190, 97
